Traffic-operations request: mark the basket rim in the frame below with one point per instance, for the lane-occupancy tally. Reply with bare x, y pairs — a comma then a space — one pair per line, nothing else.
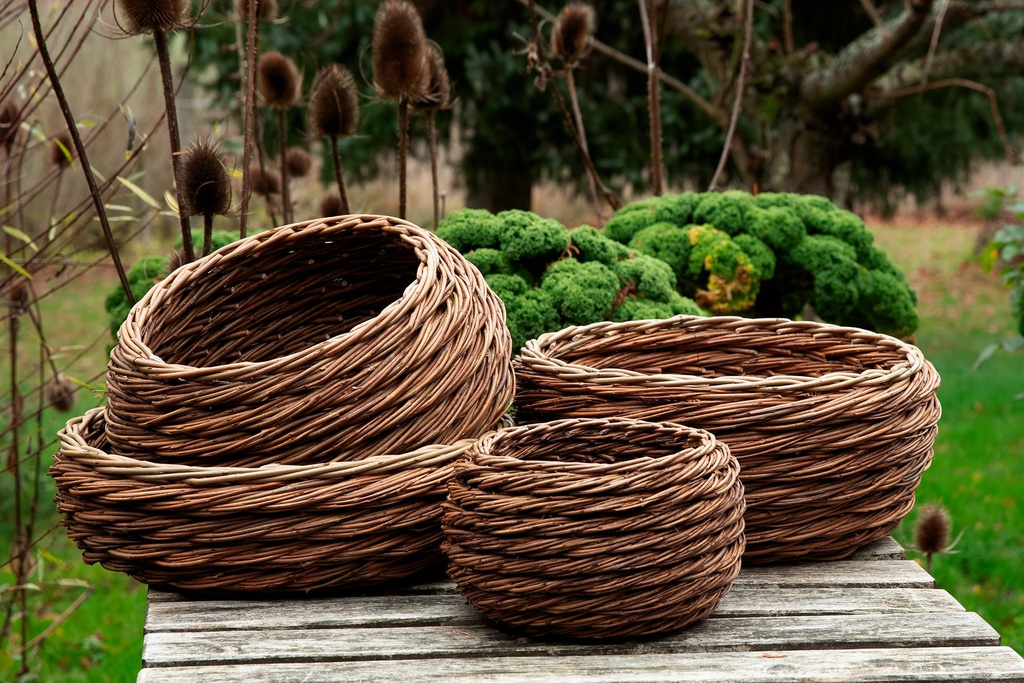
535, 356
424, 244
74, 446
708, 446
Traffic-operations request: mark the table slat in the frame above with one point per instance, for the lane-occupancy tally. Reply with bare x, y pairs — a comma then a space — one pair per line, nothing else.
937, 629
925, 665
442, 609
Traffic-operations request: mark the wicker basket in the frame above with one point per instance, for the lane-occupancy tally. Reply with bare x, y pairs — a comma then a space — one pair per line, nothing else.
832, 426
273, 528
316, 342
595, 528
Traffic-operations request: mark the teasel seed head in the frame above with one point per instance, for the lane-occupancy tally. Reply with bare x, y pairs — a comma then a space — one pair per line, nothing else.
9, 124
60, 392
206, 186
149, 16
400, 69
931, 532
62, 149
438, 93
277, 79
330, 205
298, 162
265, 183
266, 10
574, 29
333, 103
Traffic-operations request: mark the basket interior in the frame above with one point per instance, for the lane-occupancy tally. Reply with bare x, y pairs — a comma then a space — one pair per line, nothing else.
591, 445
281, 298
725, 353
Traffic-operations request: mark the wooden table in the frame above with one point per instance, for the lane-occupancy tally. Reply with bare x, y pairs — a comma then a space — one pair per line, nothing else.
875, 617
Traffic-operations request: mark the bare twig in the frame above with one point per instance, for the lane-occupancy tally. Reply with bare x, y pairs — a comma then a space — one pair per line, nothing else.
61, 618
247, 116
872, 12
737, 103
936, 32
653, 96
83, 156
570, 81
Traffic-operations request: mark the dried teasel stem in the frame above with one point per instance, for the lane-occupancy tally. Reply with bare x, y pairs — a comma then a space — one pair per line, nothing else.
76, 139
247, 117
164, 57
286, 201
336, 159
400, 70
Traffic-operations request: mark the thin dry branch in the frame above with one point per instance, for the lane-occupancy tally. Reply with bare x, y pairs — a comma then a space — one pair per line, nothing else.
864, 59
738, 101
83, 156
993, 101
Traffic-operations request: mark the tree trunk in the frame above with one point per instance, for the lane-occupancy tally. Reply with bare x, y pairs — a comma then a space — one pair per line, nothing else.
497, 189
802, 158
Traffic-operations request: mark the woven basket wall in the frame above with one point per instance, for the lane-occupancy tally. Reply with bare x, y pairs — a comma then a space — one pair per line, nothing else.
272, 528
321, 341
832, 426
595, 528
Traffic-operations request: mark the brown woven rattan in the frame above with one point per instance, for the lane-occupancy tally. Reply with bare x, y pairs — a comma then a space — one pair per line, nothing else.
276, 528
832, 426
603, 528
314, 342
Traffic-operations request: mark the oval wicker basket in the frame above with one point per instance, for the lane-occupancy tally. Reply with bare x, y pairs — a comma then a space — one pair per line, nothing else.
315, 342
832, 426
595, 528
273, 528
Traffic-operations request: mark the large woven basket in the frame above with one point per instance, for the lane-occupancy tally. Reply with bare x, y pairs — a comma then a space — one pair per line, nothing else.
320, 341
273, 528
595, 528
832, 426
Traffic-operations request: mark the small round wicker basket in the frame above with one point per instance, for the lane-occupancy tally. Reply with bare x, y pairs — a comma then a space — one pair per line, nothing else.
832, 426
604, 528
276, 528
315, 342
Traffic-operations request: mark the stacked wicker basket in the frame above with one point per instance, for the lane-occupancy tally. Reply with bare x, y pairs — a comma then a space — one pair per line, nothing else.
285, 413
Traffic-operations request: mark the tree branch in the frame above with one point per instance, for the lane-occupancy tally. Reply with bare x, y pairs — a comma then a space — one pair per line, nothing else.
865, 59
993, 103
964, 62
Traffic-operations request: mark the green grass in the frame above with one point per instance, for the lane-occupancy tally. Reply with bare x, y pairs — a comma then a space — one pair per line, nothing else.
978, 469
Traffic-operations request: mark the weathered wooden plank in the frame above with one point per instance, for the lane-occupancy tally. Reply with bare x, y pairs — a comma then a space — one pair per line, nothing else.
937, 629
439, 610
848, 573
881, 665
883, 549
